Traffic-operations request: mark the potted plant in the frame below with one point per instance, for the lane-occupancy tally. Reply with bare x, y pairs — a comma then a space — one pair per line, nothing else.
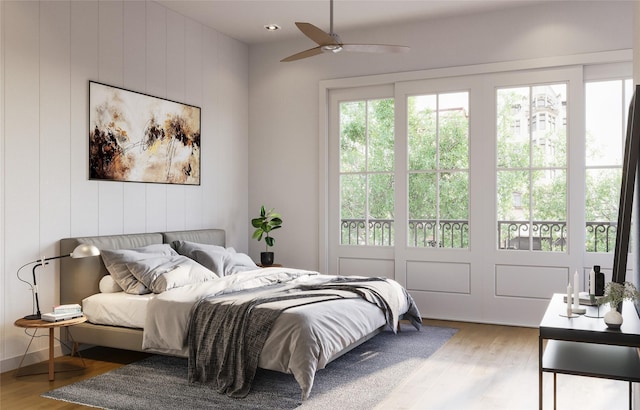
267, 221
614, 294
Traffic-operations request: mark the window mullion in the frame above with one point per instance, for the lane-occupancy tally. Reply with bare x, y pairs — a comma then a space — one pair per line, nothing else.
531, 149
367, 173
436, 229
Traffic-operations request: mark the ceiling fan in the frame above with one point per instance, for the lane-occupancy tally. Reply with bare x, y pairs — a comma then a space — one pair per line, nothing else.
331, 43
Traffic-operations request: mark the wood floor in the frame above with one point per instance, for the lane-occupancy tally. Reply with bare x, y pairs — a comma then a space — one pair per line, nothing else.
481, 367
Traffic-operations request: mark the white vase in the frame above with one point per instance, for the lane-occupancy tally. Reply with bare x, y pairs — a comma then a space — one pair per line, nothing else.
613, 319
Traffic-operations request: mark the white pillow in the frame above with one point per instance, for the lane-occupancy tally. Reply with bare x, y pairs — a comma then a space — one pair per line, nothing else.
108, 285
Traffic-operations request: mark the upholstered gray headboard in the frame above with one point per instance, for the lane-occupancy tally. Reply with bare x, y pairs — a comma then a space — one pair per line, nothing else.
208, 236
80, 278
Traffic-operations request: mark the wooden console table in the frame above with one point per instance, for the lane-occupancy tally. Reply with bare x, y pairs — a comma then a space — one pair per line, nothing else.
584, 346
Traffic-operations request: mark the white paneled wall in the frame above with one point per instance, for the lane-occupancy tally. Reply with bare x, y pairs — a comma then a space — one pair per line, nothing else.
50, 52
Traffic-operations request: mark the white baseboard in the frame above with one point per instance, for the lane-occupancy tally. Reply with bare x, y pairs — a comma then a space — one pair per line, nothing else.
33, 357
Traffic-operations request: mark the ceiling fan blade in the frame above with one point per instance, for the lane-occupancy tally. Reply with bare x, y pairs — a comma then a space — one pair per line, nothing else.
314, 33
303, 54
374, 48
331, 43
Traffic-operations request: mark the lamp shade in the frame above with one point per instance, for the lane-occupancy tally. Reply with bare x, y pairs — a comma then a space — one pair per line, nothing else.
84, 250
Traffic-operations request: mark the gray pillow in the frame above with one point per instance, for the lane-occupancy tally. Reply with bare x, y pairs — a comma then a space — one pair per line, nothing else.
162, 273
211, 256
116, 263
223, 261
231, 262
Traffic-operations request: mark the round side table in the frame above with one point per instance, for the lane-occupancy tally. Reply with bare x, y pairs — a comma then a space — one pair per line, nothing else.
43, 324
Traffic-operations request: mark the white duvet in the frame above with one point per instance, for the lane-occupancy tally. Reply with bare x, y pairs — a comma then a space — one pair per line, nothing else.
302, 340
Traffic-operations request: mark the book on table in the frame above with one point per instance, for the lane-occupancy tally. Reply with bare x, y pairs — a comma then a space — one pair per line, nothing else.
63, 312
70, 308
59, 317
585, 299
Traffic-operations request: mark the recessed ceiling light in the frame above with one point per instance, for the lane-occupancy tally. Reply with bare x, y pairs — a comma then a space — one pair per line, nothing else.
272, 27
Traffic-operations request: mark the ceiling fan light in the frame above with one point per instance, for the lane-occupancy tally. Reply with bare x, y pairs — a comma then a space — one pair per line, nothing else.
332, 48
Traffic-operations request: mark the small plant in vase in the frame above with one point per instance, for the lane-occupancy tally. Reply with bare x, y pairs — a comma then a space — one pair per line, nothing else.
614, 294
267, 222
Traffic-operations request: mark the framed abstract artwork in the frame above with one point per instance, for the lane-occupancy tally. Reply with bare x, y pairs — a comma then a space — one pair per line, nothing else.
136, 137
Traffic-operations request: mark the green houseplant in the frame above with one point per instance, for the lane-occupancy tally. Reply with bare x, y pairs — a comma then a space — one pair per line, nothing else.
614, 294
267, 222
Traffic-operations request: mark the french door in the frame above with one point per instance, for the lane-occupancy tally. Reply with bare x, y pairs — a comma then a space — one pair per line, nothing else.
468, 190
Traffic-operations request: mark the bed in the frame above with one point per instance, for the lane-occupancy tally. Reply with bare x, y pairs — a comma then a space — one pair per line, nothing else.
305, 335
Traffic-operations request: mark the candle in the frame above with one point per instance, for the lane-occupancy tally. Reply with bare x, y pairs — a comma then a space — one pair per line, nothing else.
576, 289
592, 282
569, 292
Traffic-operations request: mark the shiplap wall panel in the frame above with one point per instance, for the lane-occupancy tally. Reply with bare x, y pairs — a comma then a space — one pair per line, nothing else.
21, 172
193, 94
194, 51
111, 212
135, 19
175, 56
50, 51
134, 207
176, 206
55, 107
156, 50
240, 128
211, 154
110, 71
84, 67
235, 150
134, 51
223, 128
110, 42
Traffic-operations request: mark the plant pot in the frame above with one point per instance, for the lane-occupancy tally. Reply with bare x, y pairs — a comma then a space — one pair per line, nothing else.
266, 258
613, 319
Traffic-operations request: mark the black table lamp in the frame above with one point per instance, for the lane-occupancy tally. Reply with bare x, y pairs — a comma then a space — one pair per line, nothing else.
81, 251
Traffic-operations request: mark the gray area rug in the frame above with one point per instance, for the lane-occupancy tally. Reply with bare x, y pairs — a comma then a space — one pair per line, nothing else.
358, 380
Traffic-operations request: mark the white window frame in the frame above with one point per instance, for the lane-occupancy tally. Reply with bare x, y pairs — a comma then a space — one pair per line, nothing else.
602, 72
494, 301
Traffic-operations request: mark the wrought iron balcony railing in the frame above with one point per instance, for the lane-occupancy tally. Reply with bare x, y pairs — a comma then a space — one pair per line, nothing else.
517, 235
544, 236
601, 236
450, 233
354, 232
